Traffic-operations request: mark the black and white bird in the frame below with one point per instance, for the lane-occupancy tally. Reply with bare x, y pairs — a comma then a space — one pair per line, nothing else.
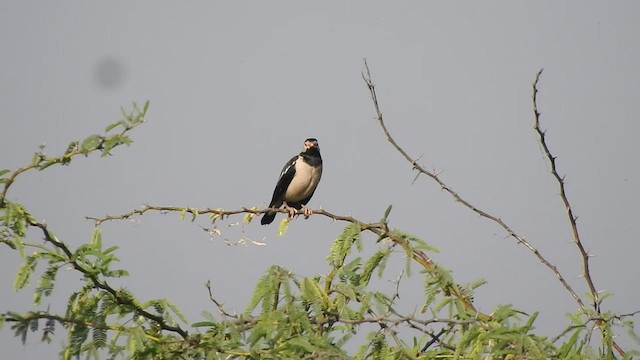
297, 183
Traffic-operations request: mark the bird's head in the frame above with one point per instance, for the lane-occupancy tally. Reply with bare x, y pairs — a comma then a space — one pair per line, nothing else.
311, 143
311, 148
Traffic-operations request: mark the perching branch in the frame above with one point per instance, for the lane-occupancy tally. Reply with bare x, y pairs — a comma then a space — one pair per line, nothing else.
366, 76
380, 229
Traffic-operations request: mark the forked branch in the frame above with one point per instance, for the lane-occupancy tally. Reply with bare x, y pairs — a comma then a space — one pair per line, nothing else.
366, 76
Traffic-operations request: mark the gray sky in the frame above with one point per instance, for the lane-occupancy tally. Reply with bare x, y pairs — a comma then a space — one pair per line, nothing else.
235, 88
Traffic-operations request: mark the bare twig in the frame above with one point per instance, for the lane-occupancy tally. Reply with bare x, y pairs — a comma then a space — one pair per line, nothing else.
396, 293
219, 305
586, 274
563, 194
366, 76
435, 338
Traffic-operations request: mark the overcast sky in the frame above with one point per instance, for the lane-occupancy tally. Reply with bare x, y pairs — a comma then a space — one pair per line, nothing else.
236, 87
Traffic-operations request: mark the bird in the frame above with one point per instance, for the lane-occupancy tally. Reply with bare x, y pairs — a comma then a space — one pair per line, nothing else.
298, 181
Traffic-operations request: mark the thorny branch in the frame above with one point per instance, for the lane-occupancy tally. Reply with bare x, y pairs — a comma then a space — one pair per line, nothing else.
572, 218
366, 76
563, 195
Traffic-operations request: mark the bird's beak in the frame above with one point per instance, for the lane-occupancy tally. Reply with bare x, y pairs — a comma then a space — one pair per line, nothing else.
310, 144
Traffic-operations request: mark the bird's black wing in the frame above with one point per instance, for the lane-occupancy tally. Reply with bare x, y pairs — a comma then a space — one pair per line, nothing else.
286, 175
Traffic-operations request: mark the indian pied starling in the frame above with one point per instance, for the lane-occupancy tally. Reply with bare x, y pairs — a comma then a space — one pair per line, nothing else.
297, 183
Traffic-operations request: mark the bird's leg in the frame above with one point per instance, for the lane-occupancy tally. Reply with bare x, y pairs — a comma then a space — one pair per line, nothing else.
292, 211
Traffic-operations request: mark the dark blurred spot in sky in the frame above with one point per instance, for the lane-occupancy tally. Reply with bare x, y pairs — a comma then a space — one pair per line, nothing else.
109, 73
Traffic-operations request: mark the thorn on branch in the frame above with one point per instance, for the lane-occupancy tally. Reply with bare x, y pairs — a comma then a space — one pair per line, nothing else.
415, 178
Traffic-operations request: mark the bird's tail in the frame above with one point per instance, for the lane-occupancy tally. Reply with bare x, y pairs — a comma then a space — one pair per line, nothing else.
268, 217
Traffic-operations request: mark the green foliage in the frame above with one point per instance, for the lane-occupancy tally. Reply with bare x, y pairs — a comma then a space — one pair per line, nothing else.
377, 263
25, 271
248, 217
289, 315
46, 282
15, 221
342, 246
282, 228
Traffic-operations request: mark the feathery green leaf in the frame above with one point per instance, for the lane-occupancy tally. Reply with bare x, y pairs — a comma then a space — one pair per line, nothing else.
377, 261
90, 143
46, 283
282, 228
25, 271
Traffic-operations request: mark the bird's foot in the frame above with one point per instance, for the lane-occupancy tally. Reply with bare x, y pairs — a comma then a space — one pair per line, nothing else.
291, 210
306, 211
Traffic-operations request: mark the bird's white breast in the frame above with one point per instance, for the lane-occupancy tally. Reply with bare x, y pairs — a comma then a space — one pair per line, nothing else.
304, 182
